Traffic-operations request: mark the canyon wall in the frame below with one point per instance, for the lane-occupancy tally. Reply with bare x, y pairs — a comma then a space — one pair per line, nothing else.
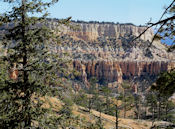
106, 51
113, 71
91, 31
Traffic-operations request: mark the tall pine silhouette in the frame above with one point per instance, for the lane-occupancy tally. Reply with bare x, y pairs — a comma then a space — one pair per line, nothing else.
29, 66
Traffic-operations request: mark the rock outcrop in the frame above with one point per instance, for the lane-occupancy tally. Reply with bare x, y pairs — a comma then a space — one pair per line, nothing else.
92, 31
107, 52
112, 71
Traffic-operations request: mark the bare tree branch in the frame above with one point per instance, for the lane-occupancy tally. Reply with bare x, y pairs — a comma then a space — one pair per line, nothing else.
157, 33
166, 10
157, 23
164, 21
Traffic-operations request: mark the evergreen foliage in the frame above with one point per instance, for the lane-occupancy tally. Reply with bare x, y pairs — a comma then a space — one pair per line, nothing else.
127, 98
29, 54
165, 84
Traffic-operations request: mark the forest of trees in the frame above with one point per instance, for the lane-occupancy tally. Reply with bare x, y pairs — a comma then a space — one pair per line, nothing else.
31, 63
31, 72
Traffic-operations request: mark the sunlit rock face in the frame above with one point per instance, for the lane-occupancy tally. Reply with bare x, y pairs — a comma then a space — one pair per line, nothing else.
92, 31
107, 51
112, 71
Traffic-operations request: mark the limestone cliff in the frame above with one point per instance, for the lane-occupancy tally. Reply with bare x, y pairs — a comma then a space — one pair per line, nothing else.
106, 51
92, 31
116, 71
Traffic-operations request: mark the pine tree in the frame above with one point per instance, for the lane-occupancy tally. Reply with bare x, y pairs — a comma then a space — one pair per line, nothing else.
28, 44
165, 84
152, 104
107, 103
127, 98
116, 116
137, 102
92, 92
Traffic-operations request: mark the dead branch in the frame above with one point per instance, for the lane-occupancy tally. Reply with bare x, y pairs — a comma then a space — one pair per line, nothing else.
164, 21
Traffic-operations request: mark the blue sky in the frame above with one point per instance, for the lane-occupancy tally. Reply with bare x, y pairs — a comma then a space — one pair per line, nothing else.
134, 11
123, 11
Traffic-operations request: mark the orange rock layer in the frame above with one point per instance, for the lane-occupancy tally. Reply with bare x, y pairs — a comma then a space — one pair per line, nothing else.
117, 71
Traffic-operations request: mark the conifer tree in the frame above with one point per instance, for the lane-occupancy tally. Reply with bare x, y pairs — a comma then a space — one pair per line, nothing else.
152, 104
106, 92
92, 90
28, 44
127, 98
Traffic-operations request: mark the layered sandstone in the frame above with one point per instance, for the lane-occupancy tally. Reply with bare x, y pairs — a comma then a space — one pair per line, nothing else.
112, 71
92, 31
107, 52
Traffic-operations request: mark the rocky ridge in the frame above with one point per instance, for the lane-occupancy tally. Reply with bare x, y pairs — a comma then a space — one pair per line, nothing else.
107, 52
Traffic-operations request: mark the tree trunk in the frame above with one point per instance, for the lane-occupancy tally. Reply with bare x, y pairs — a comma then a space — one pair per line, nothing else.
100, 117
27, 119
166, 111
89, 105
124, 111
107, 103
138, 117
145, 111
153, 113
116, 116
124, 108
159, 107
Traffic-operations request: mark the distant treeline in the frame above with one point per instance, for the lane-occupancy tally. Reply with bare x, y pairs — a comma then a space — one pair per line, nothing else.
81, 21
96, 22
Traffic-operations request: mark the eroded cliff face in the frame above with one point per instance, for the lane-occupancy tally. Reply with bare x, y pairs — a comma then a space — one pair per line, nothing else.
92, 31
107, 52
92, 41
116, 71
